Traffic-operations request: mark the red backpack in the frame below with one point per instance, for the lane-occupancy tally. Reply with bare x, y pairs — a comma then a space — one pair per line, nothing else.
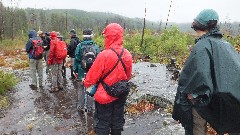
37, 51
61, 49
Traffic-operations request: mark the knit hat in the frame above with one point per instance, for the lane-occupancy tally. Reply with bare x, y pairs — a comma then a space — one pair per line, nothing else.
207, 18
87, 33
40, 32
206, 15
72, 32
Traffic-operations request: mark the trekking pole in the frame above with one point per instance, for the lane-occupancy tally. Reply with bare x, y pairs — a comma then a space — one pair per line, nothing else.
63, 69
85, 108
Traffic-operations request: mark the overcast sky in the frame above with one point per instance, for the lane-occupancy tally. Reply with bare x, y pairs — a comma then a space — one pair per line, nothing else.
157, 10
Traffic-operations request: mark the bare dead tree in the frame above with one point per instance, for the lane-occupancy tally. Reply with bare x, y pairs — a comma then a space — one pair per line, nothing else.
66, 21
1, 21
168, 14
160, 26
144, 25
12, 19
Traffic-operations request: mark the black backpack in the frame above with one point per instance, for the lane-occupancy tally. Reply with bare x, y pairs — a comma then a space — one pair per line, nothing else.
89, 54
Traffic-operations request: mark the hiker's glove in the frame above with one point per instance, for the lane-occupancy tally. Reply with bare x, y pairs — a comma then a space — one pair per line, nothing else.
75, 74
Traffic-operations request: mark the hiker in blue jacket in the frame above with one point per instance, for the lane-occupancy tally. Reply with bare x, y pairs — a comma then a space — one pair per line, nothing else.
35, 63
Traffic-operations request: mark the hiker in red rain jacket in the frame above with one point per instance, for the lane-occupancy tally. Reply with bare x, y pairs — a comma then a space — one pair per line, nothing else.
109, 113
55, 64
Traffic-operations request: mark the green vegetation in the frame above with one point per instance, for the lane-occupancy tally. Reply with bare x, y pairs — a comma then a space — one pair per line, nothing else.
7, 81
4, 102
8, 46
160, 47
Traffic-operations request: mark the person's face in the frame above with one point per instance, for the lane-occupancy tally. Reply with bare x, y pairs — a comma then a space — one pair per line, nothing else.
41, 35
200, 33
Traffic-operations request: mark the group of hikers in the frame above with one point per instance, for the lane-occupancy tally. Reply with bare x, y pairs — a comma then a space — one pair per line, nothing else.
208, 87
52, 47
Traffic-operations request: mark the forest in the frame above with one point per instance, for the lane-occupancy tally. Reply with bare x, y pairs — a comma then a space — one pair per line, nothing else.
156, 40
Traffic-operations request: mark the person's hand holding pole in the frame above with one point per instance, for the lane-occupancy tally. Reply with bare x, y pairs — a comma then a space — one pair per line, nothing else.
75, 74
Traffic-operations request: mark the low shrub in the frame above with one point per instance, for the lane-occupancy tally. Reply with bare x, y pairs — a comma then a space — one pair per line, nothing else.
7, 81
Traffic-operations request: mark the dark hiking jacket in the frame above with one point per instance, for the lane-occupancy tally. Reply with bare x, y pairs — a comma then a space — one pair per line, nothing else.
211, 74
73, 45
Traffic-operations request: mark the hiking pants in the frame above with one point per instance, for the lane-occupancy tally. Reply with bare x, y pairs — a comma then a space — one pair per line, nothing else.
109, 116
36, 68
57, 79
71, 61
45, 56
199, 124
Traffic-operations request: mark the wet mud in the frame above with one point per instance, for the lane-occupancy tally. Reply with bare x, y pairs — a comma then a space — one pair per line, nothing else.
39, 112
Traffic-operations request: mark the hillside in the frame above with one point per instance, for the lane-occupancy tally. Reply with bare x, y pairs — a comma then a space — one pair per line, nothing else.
15, 21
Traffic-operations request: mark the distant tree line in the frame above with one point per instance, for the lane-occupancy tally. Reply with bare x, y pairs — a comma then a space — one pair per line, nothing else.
15, 22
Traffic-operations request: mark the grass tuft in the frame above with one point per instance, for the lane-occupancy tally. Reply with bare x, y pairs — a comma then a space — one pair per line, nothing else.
20, 65
4, 102
7, 81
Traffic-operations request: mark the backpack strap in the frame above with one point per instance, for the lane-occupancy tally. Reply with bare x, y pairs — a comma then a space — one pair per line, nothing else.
119, 59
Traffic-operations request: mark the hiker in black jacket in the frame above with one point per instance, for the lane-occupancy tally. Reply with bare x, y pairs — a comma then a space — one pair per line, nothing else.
71, 49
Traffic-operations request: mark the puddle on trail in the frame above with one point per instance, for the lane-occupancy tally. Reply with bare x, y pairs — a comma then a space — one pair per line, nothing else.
39, 112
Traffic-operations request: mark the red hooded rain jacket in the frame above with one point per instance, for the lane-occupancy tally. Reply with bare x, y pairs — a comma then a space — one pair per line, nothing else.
106, 60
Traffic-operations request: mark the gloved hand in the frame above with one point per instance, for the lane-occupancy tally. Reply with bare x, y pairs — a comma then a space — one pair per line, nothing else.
75, 74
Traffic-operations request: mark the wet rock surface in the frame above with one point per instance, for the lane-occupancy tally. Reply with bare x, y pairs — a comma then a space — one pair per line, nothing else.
154, 84
39, 112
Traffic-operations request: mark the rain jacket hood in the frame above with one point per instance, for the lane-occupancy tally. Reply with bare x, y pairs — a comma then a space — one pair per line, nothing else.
53, 43
53, 35
211, 75
32, 34
113, 34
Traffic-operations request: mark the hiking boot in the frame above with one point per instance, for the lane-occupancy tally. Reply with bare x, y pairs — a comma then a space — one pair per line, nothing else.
72, 78
33, 86
116, 131
80, 110
53, 90
60, 88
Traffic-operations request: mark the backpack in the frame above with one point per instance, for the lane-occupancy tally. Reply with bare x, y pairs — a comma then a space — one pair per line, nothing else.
89, 54
121, 88
61, 49
37, 51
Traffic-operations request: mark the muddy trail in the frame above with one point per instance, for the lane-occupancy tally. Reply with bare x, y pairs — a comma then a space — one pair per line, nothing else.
38, 112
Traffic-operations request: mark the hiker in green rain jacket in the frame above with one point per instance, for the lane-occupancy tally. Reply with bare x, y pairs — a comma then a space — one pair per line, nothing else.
85, 54
209, 84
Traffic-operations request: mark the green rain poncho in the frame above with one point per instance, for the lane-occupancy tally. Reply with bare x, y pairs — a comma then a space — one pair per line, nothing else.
212, 75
